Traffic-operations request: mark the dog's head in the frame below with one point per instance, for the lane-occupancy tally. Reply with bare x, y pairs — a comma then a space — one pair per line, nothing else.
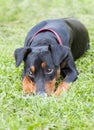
41, 67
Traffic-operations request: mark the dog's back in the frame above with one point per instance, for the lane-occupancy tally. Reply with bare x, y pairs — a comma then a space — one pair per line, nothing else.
79, 40
72, 33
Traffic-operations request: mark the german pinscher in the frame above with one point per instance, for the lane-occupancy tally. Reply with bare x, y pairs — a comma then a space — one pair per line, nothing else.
50, 49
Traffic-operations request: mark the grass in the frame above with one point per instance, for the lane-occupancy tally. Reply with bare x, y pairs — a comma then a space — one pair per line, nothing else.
73, 110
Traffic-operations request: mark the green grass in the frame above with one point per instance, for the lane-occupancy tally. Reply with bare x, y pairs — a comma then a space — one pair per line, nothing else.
73, 110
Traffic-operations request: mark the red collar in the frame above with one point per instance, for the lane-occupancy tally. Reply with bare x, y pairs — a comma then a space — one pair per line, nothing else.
47, 29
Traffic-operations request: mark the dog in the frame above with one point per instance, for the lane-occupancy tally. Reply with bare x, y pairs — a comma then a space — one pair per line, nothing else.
50, 49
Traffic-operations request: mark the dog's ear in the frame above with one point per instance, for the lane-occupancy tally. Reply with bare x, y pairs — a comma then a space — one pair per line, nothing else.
59, 53
20, 53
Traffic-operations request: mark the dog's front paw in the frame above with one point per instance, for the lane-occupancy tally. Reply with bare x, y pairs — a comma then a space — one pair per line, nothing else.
62, 87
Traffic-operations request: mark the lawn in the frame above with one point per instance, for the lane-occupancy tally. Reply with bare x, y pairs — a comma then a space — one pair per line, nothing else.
74, 110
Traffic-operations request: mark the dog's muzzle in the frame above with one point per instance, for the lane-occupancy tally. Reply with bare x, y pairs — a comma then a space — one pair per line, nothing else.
41, 93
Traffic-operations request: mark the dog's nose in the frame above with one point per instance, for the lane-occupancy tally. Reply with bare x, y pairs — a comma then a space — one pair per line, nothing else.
42, 93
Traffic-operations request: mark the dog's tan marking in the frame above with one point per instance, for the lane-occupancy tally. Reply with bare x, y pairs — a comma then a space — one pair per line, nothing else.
58, 73
32, 69
50, 86
28, 86
62, 87
43, 64
63, 65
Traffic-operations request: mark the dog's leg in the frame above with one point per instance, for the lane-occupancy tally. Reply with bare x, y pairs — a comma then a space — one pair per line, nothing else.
69, 70
62, 87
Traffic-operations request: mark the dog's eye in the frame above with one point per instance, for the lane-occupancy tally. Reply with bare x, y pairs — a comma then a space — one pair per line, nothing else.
49, 71
30, 73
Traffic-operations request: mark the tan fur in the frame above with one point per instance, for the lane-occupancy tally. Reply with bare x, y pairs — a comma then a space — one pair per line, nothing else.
50, 86
58, 73
32, 69
28, 86
43, 64
62, 87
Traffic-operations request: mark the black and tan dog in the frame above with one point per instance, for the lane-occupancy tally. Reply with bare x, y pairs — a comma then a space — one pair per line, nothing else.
50, 49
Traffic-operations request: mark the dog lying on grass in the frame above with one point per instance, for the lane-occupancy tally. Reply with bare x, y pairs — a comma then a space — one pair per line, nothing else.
50, 49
